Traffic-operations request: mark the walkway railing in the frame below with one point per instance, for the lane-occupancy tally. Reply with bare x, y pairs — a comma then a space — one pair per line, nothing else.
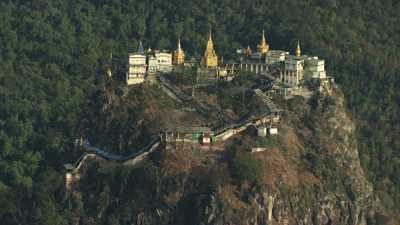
93, 152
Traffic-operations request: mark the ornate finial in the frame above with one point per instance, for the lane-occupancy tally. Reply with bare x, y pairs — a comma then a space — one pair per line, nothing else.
179, 44
298, 49
263, 37
210, 44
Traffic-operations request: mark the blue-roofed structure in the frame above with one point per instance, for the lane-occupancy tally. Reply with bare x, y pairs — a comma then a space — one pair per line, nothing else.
140, 48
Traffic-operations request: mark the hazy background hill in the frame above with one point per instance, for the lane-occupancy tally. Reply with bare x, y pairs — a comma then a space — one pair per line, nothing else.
53, 56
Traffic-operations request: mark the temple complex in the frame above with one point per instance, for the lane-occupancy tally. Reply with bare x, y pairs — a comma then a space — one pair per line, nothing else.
291, 72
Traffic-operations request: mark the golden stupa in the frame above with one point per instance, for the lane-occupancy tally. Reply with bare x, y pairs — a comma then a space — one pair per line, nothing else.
263, 47
248, 52
298, 49
179, 54
210, 58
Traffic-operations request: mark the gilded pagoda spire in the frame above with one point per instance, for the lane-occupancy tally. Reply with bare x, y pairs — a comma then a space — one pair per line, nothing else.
248, 51
179, 48
179, 54
210, 45
263, 41
263, 47
210, 58
298, 49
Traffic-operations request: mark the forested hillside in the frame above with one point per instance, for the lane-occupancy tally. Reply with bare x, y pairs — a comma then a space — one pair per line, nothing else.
54, 54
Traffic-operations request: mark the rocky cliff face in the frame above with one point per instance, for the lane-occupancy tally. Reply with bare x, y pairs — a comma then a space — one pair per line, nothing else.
311, 175
313, 178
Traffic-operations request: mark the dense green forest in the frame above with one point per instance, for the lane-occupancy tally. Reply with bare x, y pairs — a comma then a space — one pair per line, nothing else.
54, 54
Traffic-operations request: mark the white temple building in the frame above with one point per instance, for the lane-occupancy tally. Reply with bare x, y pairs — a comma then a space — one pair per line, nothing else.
164, 61
137, 67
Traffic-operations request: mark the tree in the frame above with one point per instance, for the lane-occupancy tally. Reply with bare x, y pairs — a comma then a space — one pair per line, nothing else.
246, 168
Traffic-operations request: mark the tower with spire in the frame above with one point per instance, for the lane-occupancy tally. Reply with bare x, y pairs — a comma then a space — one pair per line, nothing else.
137, 66
263, 47
210, 58
179, 54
